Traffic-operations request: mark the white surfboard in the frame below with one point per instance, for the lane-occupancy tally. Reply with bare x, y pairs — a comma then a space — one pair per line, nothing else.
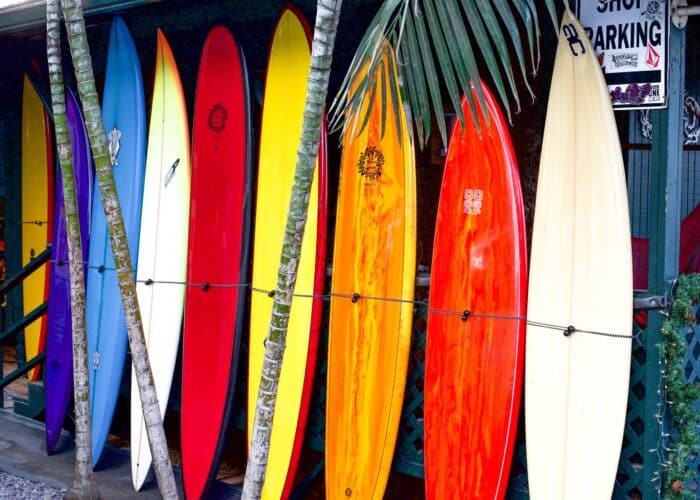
163, 244
580, 275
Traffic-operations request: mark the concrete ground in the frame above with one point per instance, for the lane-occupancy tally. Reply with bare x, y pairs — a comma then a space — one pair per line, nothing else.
23, 453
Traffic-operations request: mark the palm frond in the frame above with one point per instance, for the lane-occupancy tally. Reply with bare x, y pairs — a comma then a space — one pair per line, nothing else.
366, 57
480, 32
529, 18
414, 68
409, 88
508, 19
395, 94
431, 75
436, 43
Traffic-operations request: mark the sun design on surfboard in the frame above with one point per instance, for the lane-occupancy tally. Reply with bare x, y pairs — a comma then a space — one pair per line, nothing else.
217, 118
370, 163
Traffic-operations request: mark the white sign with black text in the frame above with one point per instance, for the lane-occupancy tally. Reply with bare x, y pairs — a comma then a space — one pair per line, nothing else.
631, 40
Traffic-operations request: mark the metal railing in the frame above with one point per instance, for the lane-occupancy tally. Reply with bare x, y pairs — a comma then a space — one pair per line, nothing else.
27, 320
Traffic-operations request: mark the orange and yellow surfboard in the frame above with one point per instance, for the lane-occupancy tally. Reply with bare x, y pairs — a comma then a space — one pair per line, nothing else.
374, 257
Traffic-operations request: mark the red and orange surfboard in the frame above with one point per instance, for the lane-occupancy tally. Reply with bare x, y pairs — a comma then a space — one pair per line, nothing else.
474, 364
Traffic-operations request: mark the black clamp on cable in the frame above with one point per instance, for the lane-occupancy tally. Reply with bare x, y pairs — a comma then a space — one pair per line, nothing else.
569, 330
271, 293
59, 262
101, 269
205, 286
466, 314
355, 297
148, 282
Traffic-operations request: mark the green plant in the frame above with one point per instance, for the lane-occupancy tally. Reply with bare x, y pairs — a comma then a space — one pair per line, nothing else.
681, 394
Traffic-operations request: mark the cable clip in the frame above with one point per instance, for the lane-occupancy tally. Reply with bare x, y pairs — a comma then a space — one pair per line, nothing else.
205, 286
355, 297
271, 293
148, 282
569, 330
59, 262
101, 269
466, 314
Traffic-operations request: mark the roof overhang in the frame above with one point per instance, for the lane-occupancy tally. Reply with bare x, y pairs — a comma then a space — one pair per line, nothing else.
18, 15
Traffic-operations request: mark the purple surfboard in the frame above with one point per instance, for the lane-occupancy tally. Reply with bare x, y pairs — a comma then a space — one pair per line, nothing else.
59, 345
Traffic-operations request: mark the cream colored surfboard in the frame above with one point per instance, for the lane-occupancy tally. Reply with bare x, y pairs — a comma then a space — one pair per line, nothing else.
581, 275
163, 244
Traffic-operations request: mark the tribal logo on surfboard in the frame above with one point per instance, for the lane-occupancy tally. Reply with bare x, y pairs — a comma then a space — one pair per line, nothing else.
218, 115
473, 201
114, 135
370, 163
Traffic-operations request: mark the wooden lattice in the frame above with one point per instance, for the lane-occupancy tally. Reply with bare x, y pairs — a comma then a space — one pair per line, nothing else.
408, 457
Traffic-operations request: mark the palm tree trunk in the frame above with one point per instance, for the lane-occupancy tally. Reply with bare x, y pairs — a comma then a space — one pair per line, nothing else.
77, 38
83, 483
327, 17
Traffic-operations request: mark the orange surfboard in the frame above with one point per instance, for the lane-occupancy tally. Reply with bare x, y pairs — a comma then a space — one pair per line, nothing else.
369, 339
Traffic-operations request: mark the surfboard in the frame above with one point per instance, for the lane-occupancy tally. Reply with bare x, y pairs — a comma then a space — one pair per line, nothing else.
124, 115
219, 242
283, 107
58, 379
162, 258
580, 275
37, 216
374, 256
474, 365
316, 312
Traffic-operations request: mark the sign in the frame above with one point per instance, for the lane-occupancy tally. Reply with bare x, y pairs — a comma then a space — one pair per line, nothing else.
631, 40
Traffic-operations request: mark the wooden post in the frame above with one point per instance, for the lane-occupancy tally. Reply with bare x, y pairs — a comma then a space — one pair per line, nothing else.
664, 239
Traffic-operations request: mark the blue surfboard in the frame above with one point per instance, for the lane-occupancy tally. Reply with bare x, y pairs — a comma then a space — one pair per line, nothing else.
124, 116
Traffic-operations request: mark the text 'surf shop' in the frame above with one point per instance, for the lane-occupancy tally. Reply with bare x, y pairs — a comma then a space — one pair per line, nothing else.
630, 38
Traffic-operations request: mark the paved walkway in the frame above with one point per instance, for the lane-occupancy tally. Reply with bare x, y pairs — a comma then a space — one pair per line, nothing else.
23, 454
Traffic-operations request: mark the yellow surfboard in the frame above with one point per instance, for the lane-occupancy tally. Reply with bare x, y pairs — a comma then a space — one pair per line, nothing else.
37, 204
374, 257
283, 108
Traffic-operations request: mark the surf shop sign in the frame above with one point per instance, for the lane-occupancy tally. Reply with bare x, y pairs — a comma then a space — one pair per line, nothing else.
631, 40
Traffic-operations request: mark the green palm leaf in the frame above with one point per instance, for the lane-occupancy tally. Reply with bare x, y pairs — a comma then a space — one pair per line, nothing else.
529, 18
395, 95
409, 88
443, 34
428, 65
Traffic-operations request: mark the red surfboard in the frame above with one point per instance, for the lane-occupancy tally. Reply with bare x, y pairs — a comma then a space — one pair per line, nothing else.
219, 243
474, 364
